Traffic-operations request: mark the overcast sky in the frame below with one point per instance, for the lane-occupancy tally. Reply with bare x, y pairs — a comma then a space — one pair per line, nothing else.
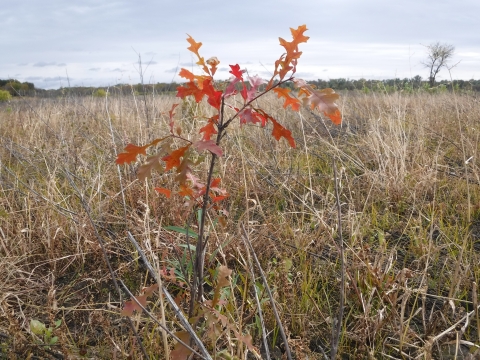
97, 42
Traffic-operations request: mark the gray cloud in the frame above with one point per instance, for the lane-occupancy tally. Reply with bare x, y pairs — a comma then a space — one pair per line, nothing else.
43, 64
57, 78
94, 69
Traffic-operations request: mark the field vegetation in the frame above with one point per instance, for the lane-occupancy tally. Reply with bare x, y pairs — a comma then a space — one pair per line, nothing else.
408, 180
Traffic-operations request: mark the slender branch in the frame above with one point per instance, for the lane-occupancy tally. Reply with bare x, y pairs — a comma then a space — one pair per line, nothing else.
201, 244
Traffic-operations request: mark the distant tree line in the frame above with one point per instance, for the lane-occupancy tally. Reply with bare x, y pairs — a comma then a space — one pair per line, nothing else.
17, 88
392, 85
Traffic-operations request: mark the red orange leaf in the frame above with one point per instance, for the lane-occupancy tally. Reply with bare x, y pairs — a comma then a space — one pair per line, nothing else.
219, 198
214, 96
324, 100
190, 89
236, 71
215, 182
186, 74
297, 34
194, 46
279, 131
133, 150
171, 113
249, 116
131, 153
163, 191
231, 90
185, 190
173, 160
289, 100
209, 129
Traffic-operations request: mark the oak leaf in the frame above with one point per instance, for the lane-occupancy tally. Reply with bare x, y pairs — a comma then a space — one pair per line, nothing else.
289, 100
173, 160
209, 129
194, 47
324, 100
183, 170
213, 62
132, 151
236, 71
209, 145
163, 191
131, 305
180, 352
152, 163
279, 131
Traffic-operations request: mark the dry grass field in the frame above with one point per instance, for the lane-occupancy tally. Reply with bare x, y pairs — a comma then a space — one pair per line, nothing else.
409, 192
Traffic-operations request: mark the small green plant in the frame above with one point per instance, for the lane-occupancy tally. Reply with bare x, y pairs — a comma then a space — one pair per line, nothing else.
40, 329
100, 93
5, 95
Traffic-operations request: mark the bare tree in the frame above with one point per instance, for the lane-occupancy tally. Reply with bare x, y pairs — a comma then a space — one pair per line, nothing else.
438, 57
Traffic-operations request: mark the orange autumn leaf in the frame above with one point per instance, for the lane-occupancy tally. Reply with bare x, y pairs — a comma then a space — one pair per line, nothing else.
192, 89
289, 100
173, 160
186, 74
279, 131
215, 182
185, 190
132, 151
209, 129
194, 46
298, 36
163, 191
324, 100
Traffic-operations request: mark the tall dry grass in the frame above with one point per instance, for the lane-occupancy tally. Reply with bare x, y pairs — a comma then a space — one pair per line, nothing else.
409, 182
